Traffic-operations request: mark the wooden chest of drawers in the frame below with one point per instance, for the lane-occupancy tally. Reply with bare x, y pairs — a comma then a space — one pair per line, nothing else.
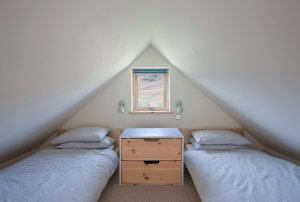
151, 156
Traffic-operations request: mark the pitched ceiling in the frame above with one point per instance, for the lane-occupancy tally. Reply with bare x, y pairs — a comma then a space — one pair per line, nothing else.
243, 54
56, 55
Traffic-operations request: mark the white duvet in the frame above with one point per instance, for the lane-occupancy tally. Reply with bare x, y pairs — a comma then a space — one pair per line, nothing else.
243, 175
66, 175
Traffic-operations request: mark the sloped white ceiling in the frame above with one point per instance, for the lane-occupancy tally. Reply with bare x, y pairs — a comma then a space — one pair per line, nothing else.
243, 54
56, 55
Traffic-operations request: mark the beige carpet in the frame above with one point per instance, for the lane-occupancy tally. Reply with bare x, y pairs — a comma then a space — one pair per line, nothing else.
113, 192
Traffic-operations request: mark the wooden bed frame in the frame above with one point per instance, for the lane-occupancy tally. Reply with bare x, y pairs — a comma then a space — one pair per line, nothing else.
115, 133
186, 132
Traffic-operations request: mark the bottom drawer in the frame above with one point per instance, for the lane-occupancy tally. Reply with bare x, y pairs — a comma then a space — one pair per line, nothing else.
151, 172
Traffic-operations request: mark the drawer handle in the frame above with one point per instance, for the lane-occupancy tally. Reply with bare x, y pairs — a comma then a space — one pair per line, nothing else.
151, 139
151, 162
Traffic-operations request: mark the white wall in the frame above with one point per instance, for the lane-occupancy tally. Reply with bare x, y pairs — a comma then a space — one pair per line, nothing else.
245, 55
54, 55
199, 111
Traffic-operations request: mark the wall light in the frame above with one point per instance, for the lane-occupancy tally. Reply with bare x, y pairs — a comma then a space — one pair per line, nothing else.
121, 108
178, 105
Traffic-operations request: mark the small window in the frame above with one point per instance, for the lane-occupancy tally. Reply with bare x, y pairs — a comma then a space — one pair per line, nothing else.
150, 90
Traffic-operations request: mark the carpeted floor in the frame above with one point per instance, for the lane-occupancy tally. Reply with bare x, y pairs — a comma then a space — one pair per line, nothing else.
113, 192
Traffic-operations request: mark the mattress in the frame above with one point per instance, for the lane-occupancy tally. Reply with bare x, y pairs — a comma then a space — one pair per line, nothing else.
243, 175
58, 175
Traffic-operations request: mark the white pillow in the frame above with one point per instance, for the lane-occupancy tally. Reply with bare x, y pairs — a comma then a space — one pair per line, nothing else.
219, 137
84, 134
199, 146
103, 144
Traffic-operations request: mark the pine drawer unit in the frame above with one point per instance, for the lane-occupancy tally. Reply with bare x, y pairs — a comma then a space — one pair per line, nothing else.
151, 156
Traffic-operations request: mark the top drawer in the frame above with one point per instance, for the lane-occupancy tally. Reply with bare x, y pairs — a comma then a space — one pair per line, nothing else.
151, 149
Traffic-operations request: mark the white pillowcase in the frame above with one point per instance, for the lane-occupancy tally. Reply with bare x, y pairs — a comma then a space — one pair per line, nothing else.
103, 144
199, 146
84, 134
219, 137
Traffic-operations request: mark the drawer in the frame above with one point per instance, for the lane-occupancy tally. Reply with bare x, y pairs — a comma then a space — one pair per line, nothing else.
151, 149
155, 172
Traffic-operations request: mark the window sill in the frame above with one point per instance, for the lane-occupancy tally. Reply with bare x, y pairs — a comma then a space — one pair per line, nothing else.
153, 112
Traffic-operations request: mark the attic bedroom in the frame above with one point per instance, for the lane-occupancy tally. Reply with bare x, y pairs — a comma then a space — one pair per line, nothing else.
161, 100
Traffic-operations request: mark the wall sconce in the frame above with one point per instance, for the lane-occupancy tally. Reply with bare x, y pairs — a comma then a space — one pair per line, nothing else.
178, 105
121, 108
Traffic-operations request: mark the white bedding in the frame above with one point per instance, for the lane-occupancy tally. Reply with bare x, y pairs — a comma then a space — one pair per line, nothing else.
243, 175
58, 175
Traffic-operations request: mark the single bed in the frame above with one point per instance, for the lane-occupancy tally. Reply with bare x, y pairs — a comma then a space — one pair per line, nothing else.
58, 175
242, 175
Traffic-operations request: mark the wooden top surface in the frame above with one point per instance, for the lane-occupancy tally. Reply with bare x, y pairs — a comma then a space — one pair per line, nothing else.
151, 133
